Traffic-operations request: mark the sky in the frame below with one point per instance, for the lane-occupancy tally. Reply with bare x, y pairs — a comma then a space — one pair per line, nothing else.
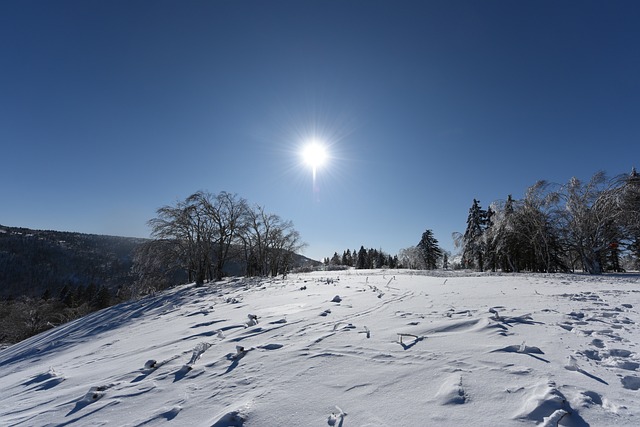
111, 110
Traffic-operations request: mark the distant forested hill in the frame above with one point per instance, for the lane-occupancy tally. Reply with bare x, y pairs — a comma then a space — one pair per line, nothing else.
33, 262
50, 277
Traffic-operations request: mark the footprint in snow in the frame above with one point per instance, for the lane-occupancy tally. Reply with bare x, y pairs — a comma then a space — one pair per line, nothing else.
451, 392
46, 380
93, 395
270, 346
631, 382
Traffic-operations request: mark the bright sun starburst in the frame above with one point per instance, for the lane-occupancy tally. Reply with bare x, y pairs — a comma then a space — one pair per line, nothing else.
314, 154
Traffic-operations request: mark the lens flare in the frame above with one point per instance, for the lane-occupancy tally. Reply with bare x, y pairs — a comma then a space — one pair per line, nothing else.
315, 155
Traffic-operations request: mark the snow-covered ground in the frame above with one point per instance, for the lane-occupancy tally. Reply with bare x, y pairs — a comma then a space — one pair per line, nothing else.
351, 348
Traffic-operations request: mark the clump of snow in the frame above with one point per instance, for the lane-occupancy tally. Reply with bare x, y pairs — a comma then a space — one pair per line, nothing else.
503, 349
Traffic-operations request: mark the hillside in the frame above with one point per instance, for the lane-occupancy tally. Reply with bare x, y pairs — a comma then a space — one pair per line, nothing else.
34, 261
353, 348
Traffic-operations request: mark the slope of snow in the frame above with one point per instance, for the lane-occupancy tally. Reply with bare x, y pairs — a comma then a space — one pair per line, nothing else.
394, 348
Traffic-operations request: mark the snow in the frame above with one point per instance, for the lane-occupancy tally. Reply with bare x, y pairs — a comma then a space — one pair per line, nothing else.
398, 348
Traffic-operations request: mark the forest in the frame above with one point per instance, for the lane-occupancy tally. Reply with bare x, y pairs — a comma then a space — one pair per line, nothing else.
589, 226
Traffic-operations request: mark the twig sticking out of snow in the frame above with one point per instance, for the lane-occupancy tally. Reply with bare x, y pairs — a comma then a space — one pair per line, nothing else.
401, 335
253, 320
366, 331
553, 420
347, 326
333, 418
496, 315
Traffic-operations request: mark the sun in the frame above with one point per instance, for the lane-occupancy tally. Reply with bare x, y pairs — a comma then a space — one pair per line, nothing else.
314, 154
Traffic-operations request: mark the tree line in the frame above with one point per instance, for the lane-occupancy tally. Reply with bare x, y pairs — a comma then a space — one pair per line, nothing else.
580, 225
206, 234
26, 316
426, 255
362, 259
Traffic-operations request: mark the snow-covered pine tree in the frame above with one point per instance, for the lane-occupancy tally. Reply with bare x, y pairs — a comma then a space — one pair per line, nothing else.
472, 245
429, 250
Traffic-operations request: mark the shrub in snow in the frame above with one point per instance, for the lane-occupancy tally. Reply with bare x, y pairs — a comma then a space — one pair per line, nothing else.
523, 347
197, 352
572, 364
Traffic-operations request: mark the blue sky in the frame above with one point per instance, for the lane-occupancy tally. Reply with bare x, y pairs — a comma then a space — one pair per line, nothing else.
110, 110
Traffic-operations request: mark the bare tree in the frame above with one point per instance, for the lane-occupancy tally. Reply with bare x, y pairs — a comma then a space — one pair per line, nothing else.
228, 215
269, 242
175, 226
589, 219
536, 222
198, 232
411, 258
155, 263
204, 232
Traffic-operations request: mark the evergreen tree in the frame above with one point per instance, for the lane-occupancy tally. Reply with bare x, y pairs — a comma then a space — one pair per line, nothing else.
102, 299
362, 258
508, 242
473, 248
335, 259
429, 250
346, 258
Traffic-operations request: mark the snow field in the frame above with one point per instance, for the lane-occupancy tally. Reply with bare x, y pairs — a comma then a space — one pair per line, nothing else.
396, 348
